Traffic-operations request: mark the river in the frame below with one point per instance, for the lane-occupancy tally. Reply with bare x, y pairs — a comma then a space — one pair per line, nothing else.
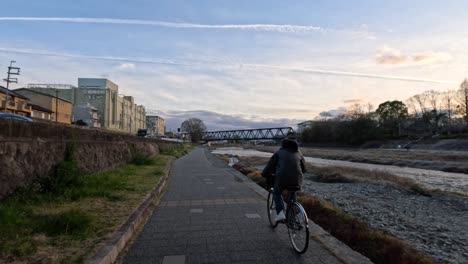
430, 179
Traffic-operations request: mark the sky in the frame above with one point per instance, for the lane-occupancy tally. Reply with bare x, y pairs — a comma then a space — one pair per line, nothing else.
241, 64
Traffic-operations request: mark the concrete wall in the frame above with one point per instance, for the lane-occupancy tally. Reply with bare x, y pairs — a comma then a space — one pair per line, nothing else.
29, 151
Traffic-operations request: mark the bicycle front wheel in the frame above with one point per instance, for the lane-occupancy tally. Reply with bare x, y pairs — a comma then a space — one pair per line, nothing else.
271, 210
298, 227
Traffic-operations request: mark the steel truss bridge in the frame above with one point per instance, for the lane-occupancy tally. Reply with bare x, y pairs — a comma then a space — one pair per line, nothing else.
275, 133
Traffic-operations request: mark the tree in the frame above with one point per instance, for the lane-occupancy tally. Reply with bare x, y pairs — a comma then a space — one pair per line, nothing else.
448, 104
390, 114
194, 127
392, 110
462, 99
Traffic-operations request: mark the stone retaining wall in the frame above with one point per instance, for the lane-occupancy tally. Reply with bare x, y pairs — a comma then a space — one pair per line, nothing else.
29, 151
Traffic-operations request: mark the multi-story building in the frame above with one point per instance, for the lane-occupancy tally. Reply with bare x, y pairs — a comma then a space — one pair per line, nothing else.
16, 103
303, 125
40, 112
61, 108
155, 125
102, 94
140, 117
114, 112
86, 113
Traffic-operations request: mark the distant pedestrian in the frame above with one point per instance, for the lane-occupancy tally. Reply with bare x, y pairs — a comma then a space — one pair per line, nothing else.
287, 166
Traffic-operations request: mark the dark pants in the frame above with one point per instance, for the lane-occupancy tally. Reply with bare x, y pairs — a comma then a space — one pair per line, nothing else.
279, 200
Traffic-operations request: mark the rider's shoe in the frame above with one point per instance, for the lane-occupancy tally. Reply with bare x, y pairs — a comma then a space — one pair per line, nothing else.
280, 217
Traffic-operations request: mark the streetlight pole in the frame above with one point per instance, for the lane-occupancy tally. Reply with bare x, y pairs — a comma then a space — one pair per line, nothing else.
11, 71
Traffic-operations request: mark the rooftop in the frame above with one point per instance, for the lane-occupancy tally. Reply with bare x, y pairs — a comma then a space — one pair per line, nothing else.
40, 108
12, 93
34, 91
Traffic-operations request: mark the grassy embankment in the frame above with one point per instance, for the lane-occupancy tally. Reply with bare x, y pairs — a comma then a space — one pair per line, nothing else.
377, 245
63, 219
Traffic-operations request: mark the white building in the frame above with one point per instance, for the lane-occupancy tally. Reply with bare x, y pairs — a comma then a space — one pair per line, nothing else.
304, 125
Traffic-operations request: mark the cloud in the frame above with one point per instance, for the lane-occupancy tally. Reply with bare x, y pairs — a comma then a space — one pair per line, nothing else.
215, 65
216, 121
353, 101
392, 56
333, 112
286, 28
126, 67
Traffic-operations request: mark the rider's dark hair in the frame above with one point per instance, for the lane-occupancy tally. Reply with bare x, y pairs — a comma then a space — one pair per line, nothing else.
290, 144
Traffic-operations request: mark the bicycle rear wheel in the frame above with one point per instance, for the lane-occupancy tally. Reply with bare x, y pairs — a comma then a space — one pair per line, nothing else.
271, 210
298, 227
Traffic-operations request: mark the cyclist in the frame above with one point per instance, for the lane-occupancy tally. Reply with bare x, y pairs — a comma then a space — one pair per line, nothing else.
288, 166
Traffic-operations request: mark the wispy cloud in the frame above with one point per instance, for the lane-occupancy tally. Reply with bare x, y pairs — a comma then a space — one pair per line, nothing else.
353, 101
352, 74
387, 55
210, 63
126, 66
258, 27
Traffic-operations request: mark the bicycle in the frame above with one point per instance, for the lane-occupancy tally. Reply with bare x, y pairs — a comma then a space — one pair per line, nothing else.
296, 221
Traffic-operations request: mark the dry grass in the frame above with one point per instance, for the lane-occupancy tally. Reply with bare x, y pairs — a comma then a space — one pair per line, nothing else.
378, 246
347, 174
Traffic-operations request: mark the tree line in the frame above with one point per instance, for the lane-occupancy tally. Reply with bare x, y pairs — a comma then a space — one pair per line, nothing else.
431, 112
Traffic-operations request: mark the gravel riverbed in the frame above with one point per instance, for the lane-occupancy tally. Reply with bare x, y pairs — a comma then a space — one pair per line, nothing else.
435, 225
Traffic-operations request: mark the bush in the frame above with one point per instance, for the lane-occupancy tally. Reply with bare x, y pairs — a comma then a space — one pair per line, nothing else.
67, 175
141, 160
74, 223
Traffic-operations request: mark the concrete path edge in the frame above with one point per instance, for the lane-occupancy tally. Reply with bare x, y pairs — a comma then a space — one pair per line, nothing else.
333, 245
112, 248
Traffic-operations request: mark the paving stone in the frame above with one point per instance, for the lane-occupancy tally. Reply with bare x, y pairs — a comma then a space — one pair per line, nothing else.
174, 259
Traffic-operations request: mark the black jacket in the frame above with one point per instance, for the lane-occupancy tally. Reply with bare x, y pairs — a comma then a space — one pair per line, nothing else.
288, 165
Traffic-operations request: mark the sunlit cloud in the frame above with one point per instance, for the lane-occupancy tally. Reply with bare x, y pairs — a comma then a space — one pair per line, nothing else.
353, 101
126, 67
392, 56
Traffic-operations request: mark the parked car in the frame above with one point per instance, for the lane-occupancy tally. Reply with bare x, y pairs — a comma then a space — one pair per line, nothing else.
15, 117
142, 132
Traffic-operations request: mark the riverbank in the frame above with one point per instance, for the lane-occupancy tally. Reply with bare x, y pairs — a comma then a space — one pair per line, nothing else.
434, 224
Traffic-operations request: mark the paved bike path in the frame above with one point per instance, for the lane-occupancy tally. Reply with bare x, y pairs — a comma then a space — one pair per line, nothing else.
208, 216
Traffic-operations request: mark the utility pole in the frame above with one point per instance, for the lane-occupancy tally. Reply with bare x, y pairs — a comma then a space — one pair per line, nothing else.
11, 71
56, 105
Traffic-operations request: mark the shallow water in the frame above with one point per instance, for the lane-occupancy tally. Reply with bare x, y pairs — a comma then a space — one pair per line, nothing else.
431, 179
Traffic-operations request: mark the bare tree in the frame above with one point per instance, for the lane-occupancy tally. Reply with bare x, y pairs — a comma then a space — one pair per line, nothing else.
194, 127
433, 99
448, 102
421, 99
412, 106
462, 99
